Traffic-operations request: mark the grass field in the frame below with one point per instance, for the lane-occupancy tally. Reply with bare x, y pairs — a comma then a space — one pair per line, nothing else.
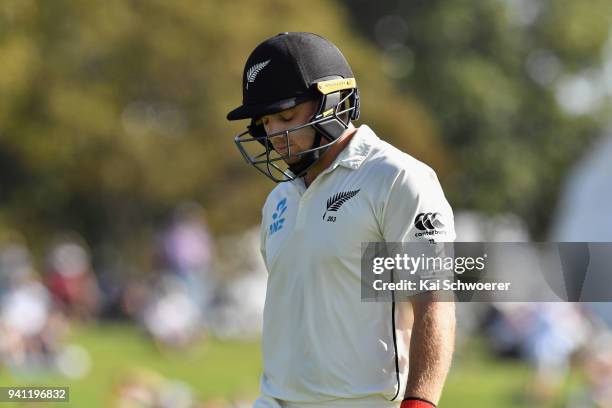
230, 370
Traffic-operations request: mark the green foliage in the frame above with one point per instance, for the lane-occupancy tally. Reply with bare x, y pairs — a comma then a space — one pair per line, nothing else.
111, 113
470, 63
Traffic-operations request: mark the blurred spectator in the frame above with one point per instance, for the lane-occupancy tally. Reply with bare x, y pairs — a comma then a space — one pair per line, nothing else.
186, 252
597, 364
239, 301
173, 301
71, 280
170, 315
546, 335
30, 329
143, 388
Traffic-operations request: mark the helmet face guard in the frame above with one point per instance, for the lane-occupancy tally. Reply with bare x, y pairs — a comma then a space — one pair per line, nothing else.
332, 118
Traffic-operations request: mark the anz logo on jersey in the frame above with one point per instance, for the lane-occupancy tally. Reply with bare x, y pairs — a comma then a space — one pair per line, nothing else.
277, 217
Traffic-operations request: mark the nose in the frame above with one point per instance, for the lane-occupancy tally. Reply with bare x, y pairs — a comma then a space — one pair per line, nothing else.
273, 125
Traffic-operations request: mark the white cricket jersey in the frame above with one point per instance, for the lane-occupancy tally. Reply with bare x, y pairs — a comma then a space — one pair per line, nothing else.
320, 341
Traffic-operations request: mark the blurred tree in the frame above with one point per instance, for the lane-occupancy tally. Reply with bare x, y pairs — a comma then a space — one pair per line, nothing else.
112, 113
515, 85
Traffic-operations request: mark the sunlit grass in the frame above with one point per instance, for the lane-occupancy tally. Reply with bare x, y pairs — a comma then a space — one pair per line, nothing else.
230, 370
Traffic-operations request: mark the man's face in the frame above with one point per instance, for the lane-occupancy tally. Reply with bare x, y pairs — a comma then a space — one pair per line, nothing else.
299, 140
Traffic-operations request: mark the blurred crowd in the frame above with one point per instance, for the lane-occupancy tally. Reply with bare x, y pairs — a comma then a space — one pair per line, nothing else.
177, 303
559, 341
35, 309
188, 296
556, 340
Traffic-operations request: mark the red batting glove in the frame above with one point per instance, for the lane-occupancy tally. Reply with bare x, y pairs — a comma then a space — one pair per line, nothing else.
417, 403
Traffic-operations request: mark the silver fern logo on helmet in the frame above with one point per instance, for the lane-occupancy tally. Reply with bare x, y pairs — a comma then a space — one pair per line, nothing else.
254, 70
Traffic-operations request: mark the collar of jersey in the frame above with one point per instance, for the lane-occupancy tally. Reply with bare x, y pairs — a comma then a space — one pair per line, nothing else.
355, 153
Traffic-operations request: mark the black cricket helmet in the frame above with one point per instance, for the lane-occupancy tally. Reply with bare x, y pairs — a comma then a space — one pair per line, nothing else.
282, 72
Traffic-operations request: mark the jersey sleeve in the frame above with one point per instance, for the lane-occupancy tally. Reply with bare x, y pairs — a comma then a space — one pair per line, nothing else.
416, 209
417, 215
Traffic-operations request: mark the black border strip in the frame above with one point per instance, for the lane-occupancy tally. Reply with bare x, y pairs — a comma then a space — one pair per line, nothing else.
397, 373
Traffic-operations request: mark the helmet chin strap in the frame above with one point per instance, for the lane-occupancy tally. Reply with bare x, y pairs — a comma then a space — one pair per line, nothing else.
308, 160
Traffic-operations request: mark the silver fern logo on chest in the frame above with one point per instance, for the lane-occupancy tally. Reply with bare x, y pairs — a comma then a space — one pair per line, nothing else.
335, 202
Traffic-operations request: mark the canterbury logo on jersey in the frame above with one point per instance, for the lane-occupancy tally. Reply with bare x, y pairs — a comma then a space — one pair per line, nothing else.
335, 202
254, 70
430, 223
